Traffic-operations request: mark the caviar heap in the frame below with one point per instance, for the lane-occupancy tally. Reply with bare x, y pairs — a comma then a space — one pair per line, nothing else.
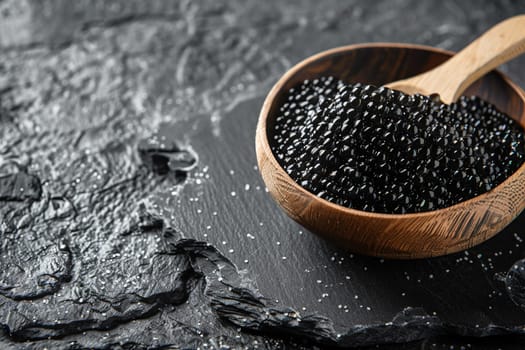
379, 150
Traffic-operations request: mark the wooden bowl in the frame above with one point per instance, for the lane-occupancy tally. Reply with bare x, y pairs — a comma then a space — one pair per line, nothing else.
400, 236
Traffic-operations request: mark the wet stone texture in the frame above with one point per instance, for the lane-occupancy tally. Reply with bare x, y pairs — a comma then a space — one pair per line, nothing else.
132, 212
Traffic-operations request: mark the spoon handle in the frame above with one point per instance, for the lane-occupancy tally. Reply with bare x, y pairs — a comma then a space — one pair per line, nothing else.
498, 45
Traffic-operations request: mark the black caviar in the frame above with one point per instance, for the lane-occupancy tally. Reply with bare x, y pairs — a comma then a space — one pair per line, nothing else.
379, 150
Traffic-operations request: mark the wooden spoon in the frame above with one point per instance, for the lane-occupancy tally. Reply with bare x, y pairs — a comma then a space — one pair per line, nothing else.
498, 45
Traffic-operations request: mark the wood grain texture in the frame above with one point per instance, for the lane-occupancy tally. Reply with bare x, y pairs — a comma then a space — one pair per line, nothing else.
405, 236
499, 44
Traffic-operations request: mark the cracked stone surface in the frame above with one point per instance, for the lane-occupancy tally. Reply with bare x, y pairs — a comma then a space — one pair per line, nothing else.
132, 212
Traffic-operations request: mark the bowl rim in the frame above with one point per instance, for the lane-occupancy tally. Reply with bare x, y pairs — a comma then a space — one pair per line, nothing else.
262, 135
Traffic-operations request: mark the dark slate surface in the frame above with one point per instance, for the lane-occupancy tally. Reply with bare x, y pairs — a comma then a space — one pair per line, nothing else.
105, 107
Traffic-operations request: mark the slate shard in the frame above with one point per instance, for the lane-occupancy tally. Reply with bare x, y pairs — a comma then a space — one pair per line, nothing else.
184, 161
163, 155
515, 283
144, 220
193, 279
20, 186
238, 302
21, 278
140, 290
